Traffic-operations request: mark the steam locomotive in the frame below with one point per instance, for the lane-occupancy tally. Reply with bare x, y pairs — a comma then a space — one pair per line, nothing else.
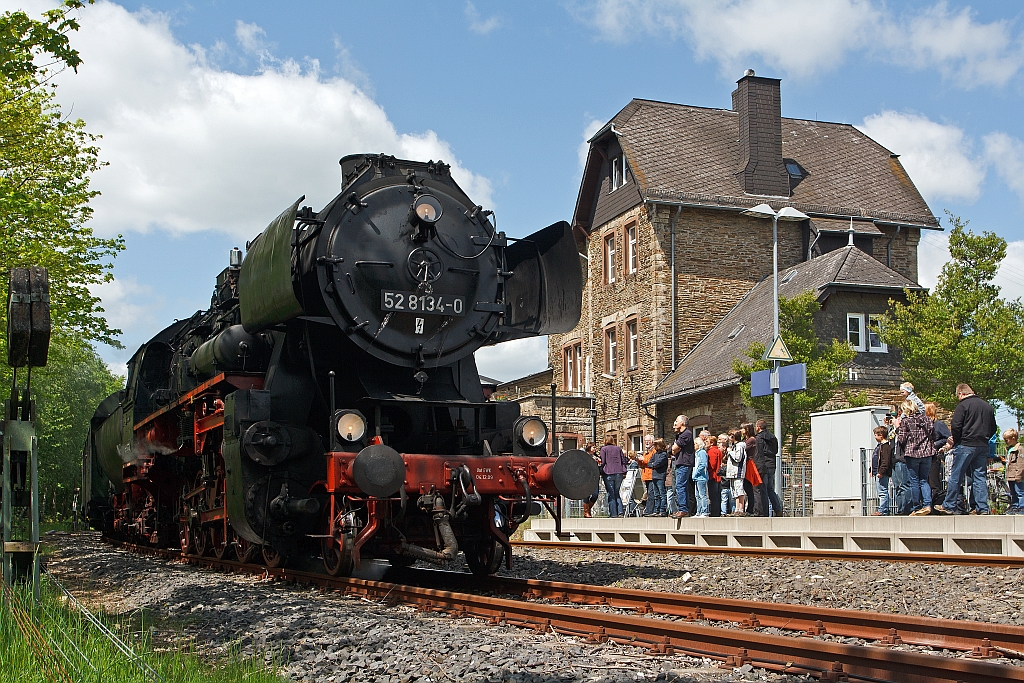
328, 401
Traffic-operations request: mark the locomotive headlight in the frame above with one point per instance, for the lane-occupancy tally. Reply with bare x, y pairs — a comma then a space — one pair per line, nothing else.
532, 432
350, 425
427, 208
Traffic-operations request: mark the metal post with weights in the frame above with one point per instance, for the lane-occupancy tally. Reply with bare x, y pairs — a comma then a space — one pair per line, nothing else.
28, 344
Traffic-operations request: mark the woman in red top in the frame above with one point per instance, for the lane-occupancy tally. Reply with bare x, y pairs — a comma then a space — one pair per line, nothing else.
755, 500
714, 463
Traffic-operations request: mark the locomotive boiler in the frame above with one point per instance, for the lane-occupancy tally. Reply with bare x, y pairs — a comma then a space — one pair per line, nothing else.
328, 401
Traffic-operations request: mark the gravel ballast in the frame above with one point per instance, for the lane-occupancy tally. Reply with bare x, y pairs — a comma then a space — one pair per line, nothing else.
329, 637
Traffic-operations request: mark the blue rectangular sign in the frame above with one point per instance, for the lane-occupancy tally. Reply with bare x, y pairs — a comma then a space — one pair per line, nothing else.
791, 378
761, 383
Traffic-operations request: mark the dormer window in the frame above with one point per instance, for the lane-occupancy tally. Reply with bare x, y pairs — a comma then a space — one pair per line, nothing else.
620, 172
794, 170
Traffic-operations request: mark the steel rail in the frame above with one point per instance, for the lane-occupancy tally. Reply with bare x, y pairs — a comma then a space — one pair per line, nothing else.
829, 661
980, 638
790, 553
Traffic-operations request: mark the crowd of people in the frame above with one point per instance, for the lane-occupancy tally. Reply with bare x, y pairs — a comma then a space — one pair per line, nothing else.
923, 467
700, 475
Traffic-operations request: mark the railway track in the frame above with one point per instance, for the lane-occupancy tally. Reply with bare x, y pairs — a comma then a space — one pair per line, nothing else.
731, 647
845, 555
882, 628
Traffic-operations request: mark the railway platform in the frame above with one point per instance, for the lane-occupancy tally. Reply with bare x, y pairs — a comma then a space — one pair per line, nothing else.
991, 535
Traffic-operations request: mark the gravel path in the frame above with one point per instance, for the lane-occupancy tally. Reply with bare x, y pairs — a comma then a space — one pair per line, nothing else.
326, 637
990, 594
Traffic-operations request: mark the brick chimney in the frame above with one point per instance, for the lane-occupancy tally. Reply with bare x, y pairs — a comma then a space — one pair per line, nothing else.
758, 102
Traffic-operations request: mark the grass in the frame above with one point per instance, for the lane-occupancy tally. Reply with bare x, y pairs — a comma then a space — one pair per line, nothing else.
52, 641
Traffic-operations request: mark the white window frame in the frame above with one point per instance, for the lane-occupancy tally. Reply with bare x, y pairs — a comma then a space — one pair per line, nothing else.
619, 171
611, 349
881, 347
861, 344
609, 258
632, 342
574, 367
632, 257
636, 442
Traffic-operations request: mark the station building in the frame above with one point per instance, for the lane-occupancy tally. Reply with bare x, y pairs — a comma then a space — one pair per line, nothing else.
673, 267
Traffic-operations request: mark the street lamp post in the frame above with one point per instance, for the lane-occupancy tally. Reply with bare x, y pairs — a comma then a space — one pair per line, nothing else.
786, 213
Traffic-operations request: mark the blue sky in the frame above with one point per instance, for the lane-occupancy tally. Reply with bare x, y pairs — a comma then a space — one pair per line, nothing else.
218, 114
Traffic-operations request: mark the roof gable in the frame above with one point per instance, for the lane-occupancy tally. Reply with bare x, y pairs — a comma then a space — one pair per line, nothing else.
692, 154
709, 364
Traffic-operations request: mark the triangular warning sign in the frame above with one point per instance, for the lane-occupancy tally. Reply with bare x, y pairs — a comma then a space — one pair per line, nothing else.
778, 351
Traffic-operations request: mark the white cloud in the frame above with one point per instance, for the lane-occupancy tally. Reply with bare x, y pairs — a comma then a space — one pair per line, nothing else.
127, 305
193, 147
1006, 154
478, 24
513, 359
961, 48
933, 253
937, 156
805, 37
589, 131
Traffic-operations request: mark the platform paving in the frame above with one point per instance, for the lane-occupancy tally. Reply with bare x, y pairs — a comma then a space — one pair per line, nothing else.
952, 534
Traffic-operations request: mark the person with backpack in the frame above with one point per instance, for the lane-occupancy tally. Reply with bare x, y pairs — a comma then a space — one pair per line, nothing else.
735, 469
881, 468
613, 468
767, 451
700, 478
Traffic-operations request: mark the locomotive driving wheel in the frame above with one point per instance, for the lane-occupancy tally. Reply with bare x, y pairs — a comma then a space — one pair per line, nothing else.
484, 557
336, 549
245, 550
274, 558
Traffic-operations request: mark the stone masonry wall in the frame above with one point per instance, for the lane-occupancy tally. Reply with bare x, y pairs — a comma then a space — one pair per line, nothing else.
720, 256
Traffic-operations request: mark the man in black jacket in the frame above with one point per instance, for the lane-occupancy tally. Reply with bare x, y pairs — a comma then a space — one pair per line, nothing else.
767, 449
973, 424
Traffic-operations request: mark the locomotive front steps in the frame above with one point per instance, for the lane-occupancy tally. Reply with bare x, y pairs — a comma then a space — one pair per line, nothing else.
951, 535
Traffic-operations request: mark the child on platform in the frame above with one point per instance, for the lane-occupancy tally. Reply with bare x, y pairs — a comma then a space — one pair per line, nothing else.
1014, 471
881, 468
700, 478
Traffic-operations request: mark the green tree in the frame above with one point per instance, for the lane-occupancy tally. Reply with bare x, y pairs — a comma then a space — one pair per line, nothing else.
963, 331
67, 392
46, 161
824, 369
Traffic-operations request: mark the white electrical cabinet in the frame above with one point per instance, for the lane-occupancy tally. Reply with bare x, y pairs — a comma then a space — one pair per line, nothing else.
837, 437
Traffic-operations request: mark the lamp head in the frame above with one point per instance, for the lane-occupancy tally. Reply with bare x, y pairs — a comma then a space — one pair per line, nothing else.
788, 213
760, 211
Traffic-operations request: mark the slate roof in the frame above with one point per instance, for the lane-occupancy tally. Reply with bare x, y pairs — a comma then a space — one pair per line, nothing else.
692, 154
709, 365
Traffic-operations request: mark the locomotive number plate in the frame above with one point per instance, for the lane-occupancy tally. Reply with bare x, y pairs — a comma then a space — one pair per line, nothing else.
413, 302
